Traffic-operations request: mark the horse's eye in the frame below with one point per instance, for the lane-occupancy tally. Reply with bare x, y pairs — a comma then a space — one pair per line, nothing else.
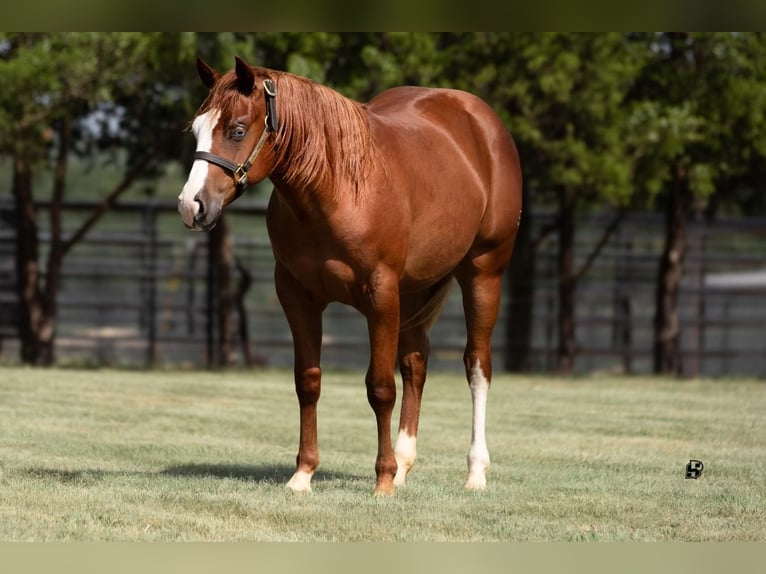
238, 133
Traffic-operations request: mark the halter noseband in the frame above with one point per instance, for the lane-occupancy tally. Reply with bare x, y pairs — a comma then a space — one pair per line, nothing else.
271, 124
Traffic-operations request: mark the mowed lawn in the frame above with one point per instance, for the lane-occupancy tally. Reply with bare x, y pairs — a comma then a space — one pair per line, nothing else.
94, 455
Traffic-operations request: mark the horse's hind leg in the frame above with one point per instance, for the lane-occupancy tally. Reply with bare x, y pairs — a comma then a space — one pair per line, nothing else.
413, 361
480, 280
419, 312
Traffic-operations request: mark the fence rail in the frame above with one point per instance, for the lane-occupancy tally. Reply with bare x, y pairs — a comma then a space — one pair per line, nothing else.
137, 290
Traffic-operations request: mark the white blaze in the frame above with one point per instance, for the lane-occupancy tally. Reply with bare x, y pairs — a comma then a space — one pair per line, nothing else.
202, 127
478, 454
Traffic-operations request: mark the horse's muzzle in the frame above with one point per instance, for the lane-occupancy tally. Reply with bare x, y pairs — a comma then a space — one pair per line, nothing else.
198, 214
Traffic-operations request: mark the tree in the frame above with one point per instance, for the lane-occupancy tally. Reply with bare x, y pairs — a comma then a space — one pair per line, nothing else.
58, 98
702, 100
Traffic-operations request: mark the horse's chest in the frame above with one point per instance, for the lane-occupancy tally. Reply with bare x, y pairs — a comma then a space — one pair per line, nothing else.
322, 269
333, 255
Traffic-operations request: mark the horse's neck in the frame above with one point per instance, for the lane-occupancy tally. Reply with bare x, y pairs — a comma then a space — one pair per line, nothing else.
320, 195
308, 202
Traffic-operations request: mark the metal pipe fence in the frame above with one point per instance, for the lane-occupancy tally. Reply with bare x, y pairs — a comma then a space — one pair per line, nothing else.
139, 291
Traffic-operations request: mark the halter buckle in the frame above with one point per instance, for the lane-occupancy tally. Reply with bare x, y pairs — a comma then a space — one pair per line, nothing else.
270, 88
240, 175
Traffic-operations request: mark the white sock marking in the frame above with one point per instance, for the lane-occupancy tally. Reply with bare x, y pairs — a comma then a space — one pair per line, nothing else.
478, 454
405, 452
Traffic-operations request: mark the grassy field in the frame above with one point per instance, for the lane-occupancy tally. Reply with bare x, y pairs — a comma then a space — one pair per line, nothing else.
173, 456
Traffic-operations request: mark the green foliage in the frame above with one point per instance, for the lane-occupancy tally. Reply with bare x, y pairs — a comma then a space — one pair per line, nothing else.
660, 134
359, 65
701, 96
609, 115
48, 75
564, 97
612, 115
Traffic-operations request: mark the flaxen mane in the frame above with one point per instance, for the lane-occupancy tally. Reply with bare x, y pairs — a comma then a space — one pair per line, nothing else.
322, 135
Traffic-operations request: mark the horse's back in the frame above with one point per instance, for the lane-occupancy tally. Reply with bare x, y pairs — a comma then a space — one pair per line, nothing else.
460, 125
410, 107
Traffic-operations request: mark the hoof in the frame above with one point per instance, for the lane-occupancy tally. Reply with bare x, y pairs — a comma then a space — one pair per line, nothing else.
300, 482
476, 482
386, 489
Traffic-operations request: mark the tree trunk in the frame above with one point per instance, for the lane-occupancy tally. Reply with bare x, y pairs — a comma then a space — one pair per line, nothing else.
35, 330
56, 246
522, 287
37, 294
667, 333
222, 252
567, 282
245, 281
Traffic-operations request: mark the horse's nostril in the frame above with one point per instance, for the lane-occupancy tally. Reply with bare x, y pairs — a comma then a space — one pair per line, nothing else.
200, 207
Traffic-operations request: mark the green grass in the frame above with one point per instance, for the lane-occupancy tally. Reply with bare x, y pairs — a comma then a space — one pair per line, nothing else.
171, 456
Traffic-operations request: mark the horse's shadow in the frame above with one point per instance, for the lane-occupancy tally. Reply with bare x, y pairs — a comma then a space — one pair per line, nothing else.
245, 472
265, 474
270, 474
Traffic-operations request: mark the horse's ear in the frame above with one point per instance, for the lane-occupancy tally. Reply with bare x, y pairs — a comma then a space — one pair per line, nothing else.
245, 76
206, 73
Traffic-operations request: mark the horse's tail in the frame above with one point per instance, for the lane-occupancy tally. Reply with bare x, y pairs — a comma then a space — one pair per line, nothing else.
431, 306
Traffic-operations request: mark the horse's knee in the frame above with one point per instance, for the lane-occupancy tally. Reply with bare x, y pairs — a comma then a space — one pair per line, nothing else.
478, 365
308, 384
381, 392
413, 366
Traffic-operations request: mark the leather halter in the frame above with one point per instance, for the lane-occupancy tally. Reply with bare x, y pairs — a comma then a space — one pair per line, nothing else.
271, 124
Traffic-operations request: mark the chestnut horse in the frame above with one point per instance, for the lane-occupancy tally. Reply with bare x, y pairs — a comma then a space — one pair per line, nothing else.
375, 205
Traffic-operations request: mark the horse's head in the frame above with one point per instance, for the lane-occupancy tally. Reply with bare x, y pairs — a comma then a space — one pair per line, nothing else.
234, 128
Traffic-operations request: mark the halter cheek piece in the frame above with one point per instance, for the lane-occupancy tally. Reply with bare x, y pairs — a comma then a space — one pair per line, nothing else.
239, 171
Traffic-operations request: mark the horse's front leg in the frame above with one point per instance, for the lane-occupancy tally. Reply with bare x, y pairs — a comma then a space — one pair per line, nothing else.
381, 307
304, 315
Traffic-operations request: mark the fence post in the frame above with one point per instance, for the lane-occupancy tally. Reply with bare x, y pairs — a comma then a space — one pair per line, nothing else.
622, 325
211, 300
150, 276
695, 258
